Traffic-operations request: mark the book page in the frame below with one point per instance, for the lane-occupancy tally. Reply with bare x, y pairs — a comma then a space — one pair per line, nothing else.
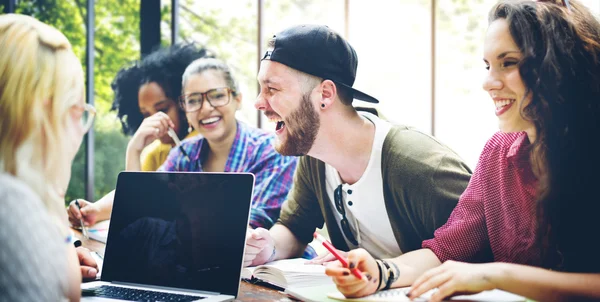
291, 272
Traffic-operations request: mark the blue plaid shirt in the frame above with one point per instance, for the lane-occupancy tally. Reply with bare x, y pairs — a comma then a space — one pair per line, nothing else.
252, 151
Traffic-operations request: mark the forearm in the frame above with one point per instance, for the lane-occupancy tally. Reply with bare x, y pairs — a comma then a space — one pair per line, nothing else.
545, 285
413, 264
74, 275
286, 244
105, 205
132, 159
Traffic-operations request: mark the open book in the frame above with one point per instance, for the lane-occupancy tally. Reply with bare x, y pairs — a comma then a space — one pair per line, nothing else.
287, 273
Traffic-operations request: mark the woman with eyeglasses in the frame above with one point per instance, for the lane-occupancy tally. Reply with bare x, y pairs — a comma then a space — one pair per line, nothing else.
210, 99
43, 120
527, 222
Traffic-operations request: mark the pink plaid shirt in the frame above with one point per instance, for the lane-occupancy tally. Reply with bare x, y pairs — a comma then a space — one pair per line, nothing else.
495, 216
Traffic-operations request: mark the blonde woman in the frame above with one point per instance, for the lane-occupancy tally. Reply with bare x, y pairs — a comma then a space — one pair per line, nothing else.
43, 118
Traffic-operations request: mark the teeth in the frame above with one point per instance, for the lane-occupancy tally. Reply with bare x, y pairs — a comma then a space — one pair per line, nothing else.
210, 120
501, 103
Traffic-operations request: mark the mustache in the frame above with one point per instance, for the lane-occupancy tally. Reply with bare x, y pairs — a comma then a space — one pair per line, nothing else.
272, 115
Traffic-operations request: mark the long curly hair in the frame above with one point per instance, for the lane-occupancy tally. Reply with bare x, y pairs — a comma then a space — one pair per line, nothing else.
561, 70
164, 67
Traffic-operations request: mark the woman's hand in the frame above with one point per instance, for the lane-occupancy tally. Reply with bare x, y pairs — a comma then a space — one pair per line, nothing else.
347, 283
88, 212
454, 278
152, 128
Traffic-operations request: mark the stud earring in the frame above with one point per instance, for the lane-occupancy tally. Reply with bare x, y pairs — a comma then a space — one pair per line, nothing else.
190, 129
322, 105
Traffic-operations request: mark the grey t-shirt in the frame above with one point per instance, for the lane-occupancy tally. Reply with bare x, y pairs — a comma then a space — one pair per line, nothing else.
33, 252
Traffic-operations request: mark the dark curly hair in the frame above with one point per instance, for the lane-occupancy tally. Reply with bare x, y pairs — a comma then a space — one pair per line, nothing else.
164, 67
561, 70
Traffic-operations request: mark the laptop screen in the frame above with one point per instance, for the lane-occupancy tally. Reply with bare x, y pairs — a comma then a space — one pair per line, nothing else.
179, 229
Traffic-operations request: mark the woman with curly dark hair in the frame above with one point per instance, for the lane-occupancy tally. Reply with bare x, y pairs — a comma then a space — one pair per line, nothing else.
528, 216
146, 100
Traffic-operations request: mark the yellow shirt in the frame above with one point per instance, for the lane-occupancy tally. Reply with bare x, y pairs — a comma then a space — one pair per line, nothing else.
155, 154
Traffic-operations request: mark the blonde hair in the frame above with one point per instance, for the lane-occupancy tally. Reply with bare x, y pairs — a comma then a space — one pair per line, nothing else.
40, 80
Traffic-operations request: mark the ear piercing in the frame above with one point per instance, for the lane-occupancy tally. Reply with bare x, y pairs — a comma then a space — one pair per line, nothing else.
322, 105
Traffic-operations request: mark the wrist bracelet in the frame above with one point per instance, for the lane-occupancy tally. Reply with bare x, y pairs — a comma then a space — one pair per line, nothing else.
392, 274
382, 275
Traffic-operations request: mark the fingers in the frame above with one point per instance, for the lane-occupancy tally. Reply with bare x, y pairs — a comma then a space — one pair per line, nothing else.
431, 283
85, 257
74, 214
88, 272
444, 290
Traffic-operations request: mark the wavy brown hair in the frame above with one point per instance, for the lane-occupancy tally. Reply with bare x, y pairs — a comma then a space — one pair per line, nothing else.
561, 70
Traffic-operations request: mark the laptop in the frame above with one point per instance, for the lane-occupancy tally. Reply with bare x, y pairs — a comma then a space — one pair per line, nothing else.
175, 236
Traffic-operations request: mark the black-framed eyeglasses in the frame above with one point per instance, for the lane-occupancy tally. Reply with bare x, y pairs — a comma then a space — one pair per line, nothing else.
217, 97
339, 206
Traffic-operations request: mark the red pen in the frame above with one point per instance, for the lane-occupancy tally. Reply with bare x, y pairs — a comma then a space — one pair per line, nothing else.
337, 255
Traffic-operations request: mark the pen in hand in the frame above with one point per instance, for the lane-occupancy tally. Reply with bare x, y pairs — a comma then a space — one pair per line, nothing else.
173, 135
83, 228
337, 255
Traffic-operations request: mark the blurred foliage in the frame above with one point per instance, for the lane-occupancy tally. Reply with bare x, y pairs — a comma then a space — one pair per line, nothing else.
116, 43
233, 37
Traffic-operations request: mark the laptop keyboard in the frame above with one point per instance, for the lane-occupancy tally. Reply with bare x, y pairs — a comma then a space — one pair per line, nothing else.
133, 294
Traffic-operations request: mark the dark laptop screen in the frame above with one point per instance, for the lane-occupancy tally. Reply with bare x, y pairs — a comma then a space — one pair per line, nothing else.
183, 230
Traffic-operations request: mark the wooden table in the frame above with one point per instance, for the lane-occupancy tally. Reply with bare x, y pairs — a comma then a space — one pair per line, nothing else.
248, 292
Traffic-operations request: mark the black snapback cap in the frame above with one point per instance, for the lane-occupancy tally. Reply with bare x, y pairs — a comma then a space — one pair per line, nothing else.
319, 51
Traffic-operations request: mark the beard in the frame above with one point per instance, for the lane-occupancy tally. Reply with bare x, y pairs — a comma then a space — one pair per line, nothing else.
302, 127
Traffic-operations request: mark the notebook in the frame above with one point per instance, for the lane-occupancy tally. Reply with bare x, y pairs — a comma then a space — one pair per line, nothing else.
399, 294
175, 236
287, 273
99, 231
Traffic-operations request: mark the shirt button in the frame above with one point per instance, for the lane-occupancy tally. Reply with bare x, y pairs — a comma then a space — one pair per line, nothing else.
350, 203
349, 191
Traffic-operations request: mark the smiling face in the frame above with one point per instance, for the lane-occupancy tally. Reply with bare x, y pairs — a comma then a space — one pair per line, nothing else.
283, 101
152, 99
214, 123
504, 82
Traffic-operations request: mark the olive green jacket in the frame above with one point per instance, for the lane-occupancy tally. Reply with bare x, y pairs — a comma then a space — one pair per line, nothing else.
422, 181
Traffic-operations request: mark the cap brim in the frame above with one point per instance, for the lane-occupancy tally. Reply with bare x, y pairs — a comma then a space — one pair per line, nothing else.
359, 95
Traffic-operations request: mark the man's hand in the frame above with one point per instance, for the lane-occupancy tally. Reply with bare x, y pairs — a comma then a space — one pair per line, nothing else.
259, 247
89, 212
88, 265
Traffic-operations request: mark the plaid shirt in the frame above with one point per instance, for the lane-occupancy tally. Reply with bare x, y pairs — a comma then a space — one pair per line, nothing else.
252, 151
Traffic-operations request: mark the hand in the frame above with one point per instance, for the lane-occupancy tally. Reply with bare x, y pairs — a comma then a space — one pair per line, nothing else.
454, 278
347, 283
152, 127
88, 265
259, 247
89, 212
326, 258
